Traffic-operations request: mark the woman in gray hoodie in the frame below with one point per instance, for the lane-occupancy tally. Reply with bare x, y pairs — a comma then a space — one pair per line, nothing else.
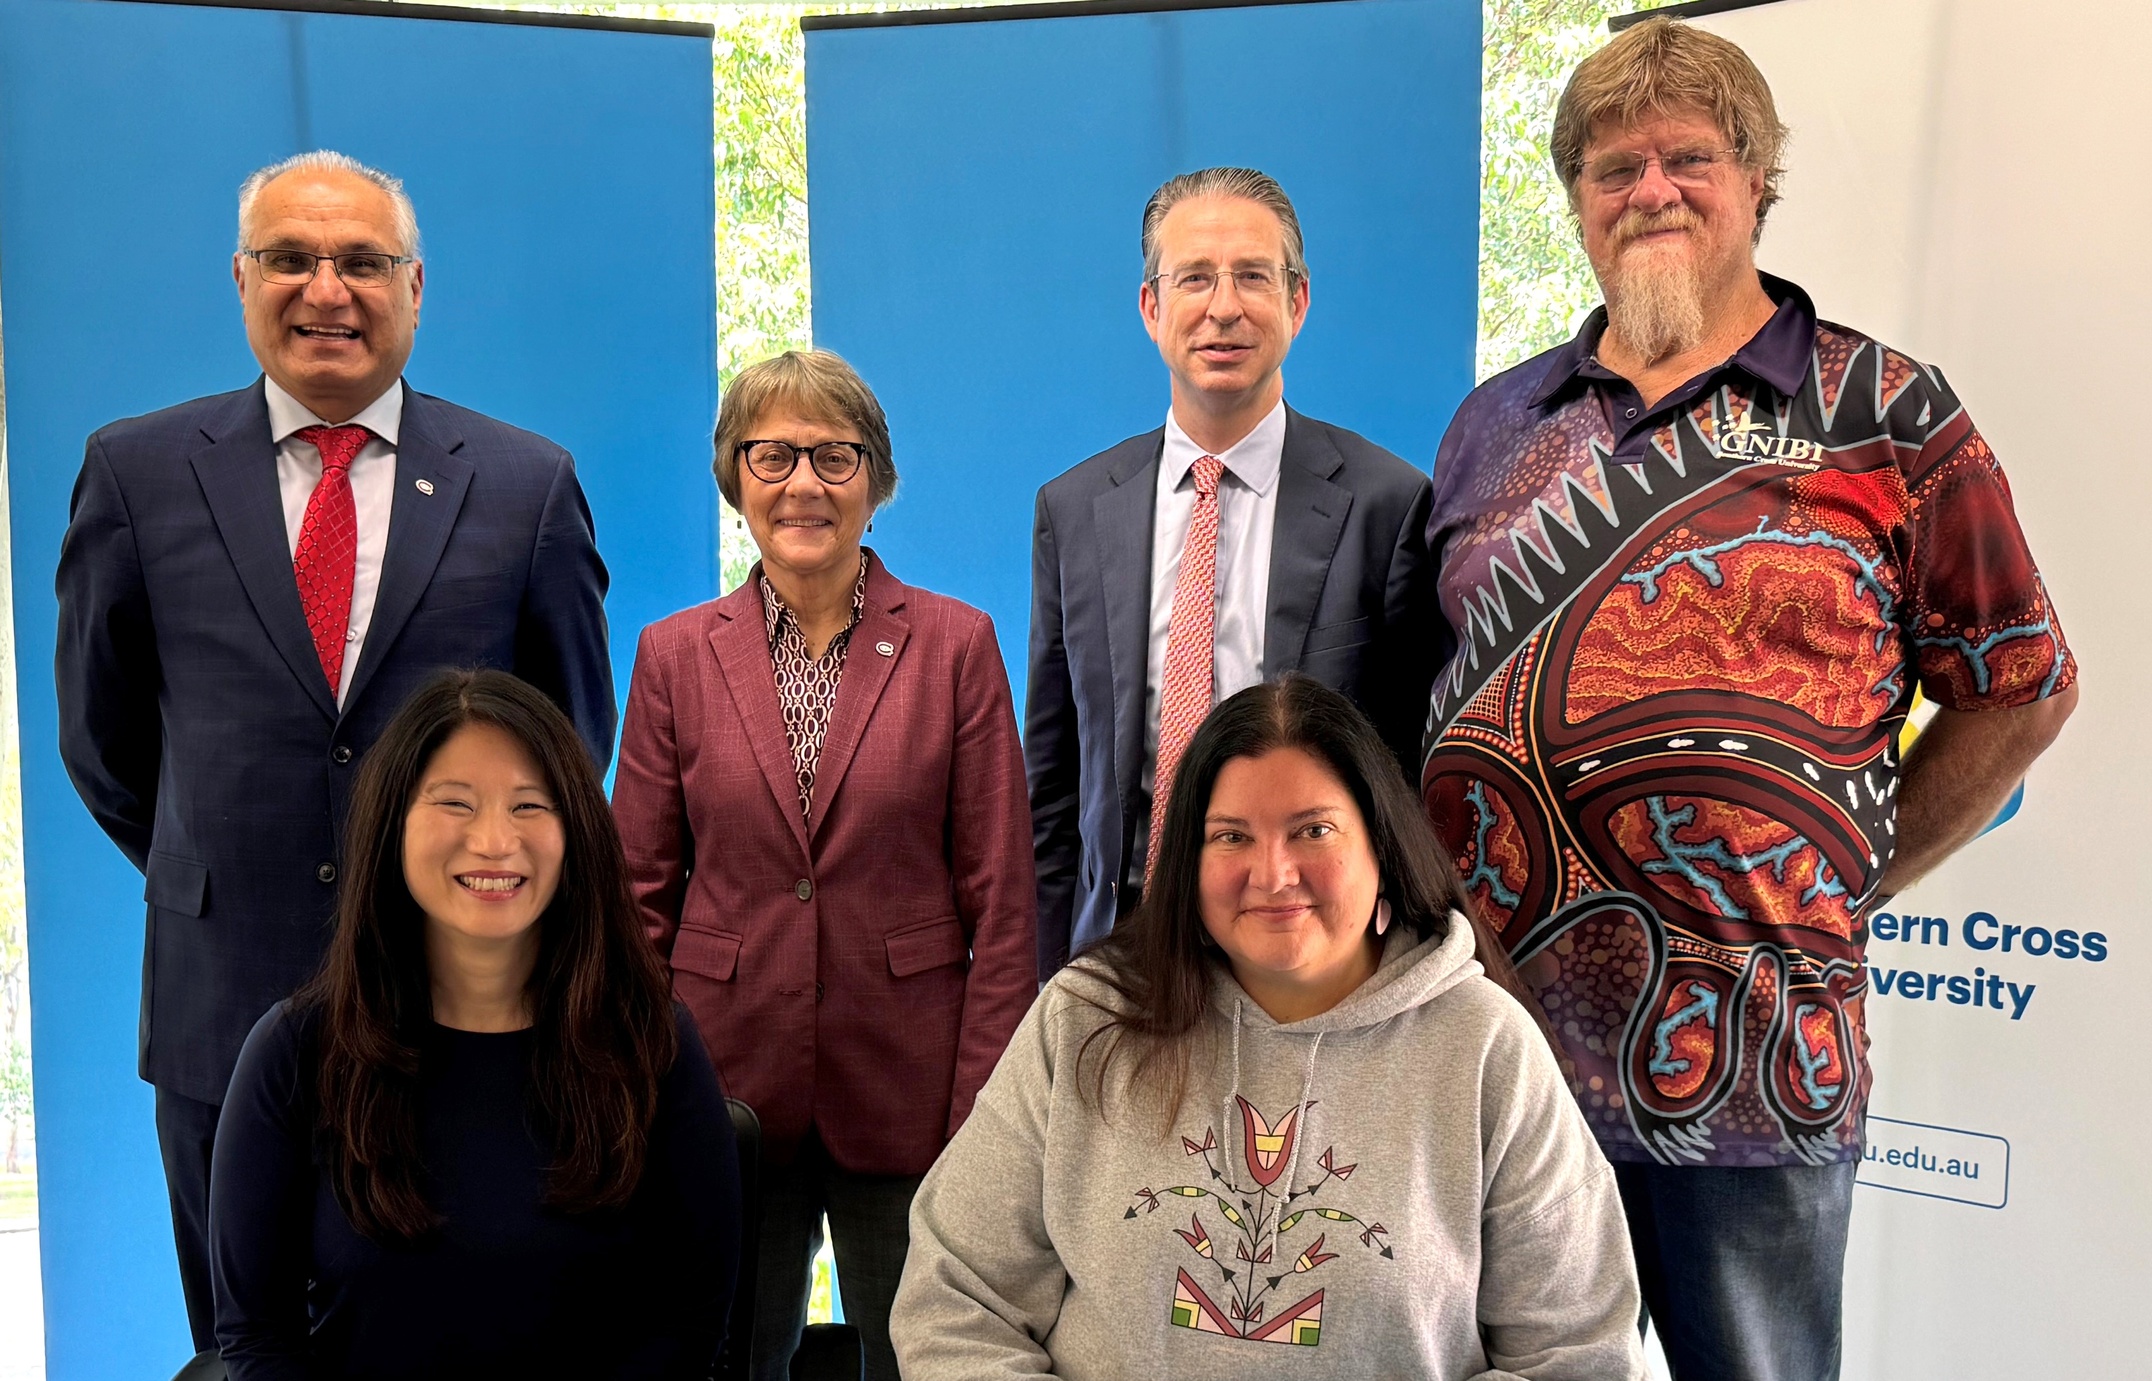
1282, 1122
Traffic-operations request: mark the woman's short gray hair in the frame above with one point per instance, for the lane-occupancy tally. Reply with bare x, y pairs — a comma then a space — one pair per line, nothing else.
819, 385
327, 160
1245, 183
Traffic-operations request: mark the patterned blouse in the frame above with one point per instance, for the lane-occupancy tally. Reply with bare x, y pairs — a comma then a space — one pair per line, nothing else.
806, 685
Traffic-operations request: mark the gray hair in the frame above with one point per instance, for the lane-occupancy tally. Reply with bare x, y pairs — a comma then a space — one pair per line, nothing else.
327, 160
1664, 65
1244, 183
821, 386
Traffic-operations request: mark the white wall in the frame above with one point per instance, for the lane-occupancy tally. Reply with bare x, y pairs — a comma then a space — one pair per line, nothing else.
1968, 183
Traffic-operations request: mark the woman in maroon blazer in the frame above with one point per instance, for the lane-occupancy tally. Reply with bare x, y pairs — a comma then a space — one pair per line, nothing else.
824, 808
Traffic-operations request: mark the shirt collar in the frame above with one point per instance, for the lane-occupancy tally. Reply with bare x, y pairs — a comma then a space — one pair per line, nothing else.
383, 417
1778, 353
1253, 460
776, 614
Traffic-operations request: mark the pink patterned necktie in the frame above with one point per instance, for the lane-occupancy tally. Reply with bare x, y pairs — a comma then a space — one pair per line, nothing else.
1191, 646
328, 554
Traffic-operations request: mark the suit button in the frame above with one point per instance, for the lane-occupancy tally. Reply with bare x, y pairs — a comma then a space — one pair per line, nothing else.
803, 889
326, 872
341, 752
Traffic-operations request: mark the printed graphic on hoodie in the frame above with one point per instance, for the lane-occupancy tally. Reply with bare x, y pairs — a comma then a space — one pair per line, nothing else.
1664, 754
1245, 1281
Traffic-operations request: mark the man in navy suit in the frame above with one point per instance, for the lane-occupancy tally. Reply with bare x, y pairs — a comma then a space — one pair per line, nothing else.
250, 586
1240, 541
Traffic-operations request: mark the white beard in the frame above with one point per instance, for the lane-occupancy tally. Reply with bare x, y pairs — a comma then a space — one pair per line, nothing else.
1655, 303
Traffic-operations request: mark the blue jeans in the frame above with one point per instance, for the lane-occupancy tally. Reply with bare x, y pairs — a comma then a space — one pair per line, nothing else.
1742, 1269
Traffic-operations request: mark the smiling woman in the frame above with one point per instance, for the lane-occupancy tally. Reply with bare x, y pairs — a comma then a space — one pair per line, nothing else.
481, 1140
481, 856
1303, 1004
858, 940
1288, 881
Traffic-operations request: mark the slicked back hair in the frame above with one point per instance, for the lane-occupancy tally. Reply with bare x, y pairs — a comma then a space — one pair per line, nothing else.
1663, 67
1244, 183
404, 218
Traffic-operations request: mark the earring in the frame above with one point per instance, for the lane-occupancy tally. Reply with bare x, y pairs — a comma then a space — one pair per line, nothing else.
1382, 915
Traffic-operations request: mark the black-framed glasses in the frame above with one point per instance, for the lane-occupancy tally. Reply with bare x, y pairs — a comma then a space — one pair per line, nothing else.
1619, 172
773, 462
1201, 280
364, 269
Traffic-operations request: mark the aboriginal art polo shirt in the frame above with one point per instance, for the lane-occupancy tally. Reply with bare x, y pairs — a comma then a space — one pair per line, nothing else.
1664, 752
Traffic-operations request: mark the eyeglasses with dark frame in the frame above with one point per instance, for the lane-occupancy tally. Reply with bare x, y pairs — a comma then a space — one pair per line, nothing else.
1620, 172
834, 462
360, 269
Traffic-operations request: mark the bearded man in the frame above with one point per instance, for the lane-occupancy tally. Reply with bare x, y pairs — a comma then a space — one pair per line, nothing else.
1695, 564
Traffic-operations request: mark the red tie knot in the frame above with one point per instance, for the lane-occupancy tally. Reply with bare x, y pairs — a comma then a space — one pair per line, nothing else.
1207, 471
339, 446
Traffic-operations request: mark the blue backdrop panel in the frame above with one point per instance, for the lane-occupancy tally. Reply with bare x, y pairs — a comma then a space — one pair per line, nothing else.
977, 192
563, 183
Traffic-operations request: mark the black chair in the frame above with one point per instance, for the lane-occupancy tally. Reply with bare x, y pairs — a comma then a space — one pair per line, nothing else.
206, 1366
829, 1352
740, 1331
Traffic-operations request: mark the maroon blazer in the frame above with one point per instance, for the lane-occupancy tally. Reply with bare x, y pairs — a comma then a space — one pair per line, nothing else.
861, 968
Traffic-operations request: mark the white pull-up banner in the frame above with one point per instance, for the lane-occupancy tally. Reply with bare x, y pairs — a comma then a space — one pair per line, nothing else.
1966, 185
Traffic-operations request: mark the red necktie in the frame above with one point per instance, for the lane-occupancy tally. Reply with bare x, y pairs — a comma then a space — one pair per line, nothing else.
1191, 646
328, 554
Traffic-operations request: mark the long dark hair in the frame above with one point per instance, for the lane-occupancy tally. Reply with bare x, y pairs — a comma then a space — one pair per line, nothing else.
1158, 962
603, 1034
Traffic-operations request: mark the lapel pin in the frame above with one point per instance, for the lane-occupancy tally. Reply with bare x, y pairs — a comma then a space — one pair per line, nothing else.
886, 649
425, 486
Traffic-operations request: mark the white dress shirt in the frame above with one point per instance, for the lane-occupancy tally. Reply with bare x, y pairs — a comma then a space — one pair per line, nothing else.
1247, 516
373, 490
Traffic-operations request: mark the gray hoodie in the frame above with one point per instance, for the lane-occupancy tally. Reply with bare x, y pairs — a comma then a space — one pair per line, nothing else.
1399, 1187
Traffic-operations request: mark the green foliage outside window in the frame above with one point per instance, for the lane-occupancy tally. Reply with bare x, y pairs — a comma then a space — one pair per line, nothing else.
1535, 285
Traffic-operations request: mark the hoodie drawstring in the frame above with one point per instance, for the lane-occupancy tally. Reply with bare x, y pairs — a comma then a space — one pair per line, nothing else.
1225, 1114
1300, 1137
1300, 1141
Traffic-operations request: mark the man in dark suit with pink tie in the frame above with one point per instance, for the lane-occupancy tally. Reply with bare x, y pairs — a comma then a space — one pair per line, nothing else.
249, 587
1241, 540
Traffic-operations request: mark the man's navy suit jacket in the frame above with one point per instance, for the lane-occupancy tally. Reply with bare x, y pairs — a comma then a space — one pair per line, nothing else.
1351, 604
195, 718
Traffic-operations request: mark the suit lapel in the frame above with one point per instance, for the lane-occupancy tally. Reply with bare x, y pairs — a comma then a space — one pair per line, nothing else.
1311, 519
866, 674
743, 659
1121, 523
236, 468
420, 520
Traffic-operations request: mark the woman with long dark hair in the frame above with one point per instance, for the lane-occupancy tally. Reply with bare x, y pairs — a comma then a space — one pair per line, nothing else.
1292, 1118
483, 1141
